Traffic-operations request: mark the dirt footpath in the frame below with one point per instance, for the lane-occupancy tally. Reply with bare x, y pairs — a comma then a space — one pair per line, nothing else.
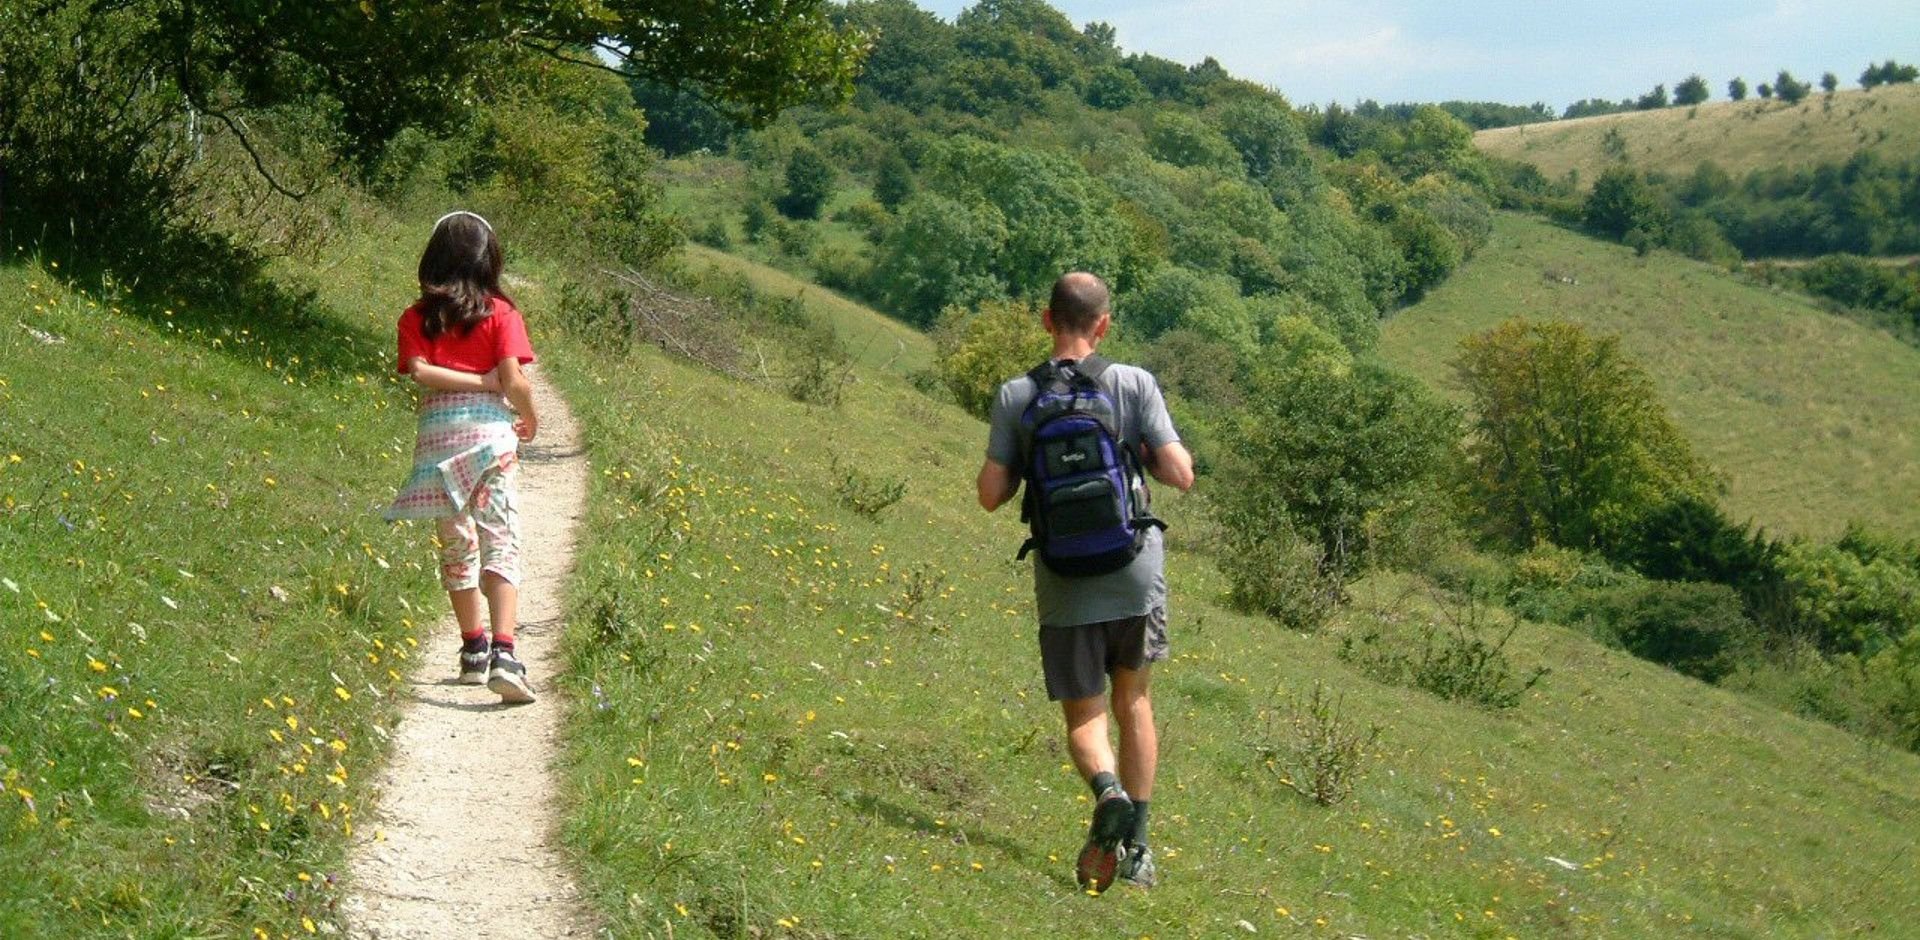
464, 842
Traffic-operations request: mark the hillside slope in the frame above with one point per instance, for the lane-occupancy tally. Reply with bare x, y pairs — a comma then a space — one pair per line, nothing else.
1739, 136
1810, 417
797, 719
203, 620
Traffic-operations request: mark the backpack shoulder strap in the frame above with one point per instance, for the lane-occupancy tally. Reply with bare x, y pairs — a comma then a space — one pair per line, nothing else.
1093, 366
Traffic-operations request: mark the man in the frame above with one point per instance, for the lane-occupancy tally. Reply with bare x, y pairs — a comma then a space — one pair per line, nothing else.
1095, 626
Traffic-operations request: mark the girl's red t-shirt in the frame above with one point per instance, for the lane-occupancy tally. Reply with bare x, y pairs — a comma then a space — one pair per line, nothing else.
499, 337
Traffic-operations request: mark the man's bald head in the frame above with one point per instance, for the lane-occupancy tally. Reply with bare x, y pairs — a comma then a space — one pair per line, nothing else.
1079, 298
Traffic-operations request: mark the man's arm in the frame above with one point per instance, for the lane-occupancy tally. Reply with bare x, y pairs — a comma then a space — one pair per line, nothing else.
1170, 464
442, 379
997, 484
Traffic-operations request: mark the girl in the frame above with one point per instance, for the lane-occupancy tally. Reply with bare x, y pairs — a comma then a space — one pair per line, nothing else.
465, 342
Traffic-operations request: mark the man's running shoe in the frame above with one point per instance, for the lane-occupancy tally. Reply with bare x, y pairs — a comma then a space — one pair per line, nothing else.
1112, 821
1136, 867
474, 661
508, 679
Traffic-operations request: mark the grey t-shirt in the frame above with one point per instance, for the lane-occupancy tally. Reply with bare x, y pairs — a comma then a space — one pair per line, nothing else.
1140, 416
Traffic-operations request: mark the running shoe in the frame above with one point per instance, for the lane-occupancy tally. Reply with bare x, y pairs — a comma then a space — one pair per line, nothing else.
474, 661
1112, 821
1136, 866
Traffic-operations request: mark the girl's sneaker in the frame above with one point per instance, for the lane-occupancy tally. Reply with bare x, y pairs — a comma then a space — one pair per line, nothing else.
508, 679
473, 661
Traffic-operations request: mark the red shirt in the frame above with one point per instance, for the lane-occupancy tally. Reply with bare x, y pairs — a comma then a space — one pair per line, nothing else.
499, 337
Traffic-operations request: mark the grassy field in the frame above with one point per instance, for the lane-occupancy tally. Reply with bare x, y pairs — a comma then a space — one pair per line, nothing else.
1810, 417
793, 718
203, 620
1739, 136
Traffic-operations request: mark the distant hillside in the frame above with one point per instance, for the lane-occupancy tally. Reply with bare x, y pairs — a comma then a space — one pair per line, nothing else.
1811, 417
1739, 136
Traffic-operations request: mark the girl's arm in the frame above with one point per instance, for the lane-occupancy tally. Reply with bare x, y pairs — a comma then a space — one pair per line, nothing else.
442, 379
513, 383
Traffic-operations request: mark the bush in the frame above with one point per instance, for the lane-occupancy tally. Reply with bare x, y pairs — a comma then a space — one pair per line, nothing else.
1694, 628
820, 373
1313, 749
841, 268
1281, 575
1334, 452
809, 183
870, 217
1464, 660
1850, 605
979, 349
865, 493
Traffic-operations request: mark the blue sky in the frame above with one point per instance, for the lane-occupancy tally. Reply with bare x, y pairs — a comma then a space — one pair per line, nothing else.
1507, 50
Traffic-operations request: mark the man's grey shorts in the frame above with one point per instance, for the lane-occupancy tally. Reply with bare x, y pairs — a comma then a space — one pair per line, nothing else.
1077, 660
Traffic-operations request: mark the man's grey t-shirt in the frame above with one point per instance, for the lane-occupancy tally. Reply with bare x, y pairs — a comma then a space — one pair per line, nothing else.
1140, 416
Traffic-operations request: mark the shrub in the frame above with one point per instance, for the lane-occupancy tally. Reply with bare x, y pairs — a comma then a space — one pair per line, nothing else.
865, 493
841, 268
1334, 452
870, 217
1281, 575
979, 349
1313, 749
1693, 628
820, 373
809, 183
1850, 605
1465, 659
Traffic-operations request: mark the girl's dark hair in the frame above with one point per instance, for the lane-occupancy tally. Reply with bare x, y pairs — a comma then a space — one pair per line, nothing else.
459, 275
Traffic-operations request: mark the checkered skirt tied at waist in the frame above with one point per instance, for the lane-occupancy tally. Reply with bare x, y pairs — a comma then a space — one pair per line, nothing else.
462, 437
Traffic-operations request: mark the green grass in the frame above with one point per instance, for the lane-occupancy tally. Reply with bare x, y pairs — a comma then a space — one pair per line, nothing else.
1809, 416
790, 720
1739, 136
877, 342
203, 619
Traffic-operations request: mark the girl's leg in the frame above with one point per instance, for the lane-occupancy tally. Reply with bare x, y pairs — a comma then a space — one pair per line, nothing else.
498, 528
459, 570
459, 574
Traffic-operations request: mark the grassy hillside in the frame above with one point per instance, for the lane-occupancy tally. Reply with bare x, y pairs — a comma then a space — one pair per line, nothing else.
1809, 416
794, 719
203, 620
1739, 136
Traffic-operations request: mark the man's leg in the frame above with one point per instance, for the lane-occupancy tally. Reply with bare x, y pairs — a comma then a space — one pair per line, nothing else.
1139, 742
1087, 735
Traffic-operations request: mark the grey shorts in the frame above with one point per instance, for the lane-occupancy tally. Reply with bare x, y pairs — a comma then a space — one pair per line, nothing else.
1077, 660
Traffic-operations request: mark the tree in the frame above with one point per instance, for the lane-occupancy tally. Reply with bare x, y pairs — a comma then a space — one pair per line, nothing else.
1568, 440
1888, 73
1765, 90
1653, 100
940, 253
1332, 450
1789, 89
911, 47
1692, 91
1113, 87
809, 184
892, 180
1623, 202
1737, 89
1829, 83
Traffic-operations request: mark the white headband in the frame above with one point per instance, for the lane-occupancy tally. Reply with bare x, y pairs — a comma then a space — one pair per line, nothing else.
436, 222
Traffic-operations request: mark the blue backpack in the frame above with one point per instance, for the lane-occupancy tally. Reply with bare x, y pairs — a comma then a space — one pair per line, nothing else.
1086, 499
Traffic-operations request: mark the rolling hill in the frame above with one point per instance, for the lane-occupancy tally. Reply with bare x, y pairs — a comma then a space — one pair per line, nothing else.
1810, 417
1739, 136
797, 718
